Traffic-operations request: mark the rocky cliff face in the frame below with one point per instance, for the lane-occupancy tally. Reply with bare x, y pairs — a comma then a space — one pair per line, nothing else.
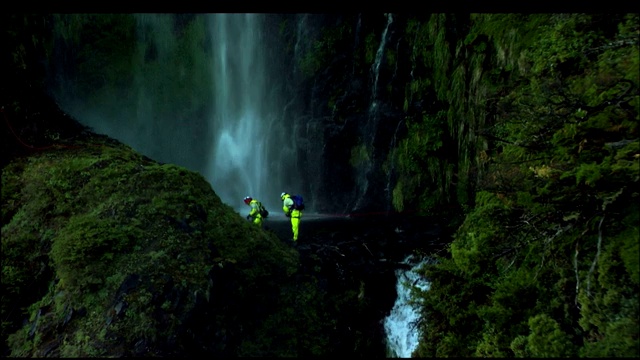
349, 110
332, 114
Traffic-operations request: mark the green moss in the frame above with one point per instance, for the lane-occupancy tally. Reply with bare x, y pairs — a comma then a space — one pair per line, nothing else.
359, 156
551, 222
87, 246
102, 221
371, 48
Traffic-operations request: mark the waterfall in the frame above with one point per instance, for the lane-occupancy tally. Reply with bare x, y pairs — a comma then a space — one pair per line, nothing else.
375, 68
400, 325
369, 130
249, 154
203, 91
302, 34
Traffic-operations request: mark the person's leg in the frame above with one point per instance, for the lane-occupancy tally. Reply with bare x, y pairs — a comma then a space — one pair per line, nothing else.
294, 227
295, 222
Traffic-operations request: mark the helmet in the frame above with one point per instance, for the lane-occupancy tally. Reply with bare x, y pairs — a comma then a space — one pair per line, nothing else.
282, 195
247, 199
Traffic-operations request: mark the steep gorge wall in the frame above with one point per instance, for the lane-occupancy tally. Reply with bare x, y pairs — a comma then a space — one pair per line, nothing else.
335, 78
385, 112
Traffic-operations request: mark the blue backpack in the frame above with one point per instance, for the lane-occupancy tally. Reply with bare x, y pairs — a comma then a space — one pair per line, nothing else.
298, 202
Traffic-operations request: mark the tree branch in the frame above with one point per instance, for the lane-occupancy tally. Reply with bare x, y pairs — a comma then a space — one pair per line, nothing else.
613, 45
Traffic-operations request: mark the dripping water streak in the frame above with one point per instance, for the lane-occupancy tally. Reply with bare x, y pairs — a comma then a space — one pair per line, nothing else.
369, 131
375, 69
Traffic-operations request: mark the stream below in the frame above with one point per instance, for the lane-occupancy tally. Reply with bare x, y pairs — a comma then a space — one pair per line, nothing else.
377, 254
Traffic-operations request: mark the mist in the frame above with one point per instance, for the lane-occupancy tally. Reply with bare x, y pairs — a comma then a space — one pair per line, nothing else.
200, 91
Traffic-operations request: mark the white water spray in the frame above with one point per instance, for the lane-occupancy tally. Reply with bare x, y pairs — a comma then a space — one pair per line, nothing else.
246, 134
400, 325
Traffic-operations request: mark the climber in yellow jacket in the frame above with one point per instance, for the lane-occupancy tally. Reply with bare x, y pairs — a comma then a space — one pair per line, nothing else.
294, 214
254, 213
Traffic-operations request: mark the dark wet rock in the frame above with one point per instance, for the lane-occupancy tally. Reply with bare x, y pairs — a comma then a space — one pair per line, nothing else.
360, 255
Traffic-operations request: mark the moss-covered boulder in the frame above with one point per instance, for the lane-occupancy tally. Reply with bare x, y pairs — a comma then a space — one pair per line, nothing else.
109, 253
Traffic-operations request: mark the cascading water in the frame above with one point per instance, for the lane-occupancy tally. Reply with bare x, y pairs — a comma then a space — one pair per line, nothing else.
375, 68
303, 30
214, 107
400, 325
249, 152
372, 121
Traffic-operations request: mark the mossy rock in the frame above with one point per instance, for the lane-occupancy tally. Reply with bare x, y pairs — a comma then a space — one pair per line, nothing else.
109, 253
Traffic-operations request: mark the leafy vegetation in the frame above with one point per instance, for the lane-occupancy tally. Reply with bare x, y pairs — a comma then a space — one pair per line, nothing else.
542, 263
